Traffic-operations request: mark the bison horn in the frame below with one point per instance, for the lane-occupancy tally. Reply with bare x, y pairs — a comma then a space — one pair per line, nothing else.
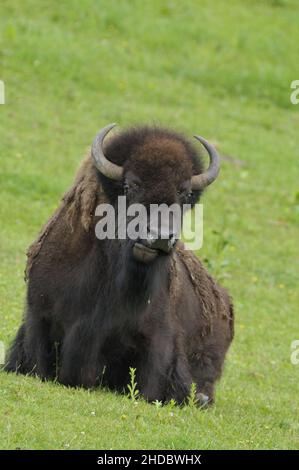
201, 181
107, 168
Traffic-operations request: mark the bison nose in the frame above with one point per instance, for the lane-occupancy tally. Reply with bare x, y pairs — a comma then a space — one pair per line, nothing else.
165, 244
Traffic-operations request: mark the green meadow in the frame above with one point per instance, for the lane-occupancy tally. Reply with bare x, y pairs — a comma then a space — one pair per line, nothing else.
219, 69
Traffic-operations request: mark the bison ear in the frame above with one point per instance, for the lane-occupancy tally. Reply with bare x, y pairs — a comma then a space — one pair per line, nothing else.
199, 182
107, 168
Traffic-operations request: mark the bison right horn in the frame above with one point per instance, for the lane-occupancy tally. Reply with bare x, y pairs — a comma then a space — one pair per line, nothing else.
107, 168
202, 180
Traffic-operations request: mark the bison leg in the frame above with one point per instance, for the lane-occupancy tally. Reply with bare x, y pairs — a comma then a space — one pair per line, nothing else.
165, 373
180, 381
152, 373
31, 352
80, 359
206, 371
39, 350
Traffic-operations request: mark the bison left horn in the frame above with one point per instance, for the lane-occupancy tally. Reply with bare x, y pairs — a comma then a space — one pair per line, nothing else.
107, 168
199, 182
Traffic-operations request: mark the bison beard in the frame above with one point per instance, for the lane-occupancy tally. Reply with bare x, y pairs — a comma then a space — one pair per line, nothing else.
93, 311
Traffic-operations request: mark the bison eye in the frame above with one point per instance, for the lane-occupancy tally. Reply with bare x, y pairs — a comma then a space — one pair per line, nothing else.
183, 192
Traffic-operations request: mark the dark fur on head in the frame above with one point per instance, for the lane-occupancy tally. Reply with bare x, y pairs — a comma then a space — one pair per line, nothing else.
129, 149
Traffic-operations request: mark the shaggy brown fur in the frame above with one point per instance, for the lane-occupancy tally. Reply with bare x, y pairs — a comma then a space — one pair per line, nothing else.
97, 310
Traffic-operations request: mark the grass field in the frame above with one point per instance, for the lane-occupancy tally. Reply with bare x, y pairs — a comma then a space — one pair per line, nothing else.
220, 69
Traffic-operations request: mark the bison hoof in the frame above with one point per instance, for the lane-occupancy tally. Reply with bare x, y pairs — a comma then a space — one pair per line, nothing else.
202, 399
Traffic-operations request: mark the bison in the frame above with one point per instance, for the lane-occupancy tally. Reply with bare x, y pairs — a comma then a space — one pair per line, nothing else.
95, 308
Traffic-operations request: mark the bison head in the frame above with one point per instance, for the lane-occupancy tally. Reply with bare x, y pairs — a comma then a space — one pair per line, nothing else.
151, 165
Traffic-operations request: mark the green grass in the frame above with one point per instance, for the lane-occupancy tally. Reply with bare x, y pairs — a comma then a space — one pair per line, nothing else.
223, 70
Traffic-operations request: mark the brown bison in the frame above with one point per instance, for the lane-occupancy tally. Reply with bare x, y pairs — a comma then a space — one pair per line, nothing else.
95, 307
